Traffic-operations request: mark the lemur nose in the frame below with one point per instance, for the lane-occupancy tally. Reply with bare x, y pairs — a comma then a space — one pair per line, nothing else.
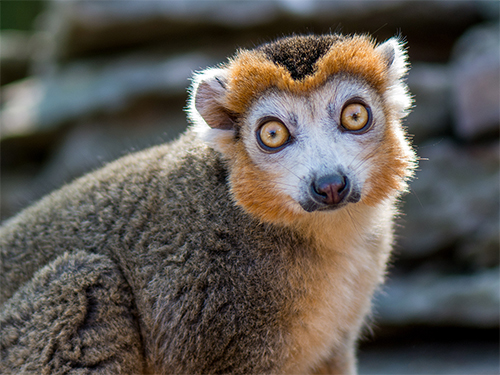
330, 189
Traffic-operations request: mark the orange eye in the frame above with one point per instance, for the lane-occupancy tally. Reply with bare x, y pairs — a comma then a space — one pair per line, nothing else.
355, 116
273, 134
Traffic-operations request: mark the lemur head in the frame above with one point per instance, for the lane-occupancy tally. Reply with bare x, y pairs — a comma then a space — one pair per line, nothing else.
308, 124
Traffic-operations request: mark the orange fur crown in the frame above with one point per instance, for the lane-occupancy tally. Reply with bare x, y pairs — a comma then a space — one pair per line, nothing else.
252, 72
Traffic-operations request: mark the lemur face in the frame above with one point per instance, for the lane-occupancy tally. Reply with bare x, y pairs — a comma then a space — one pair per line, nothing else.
308, 124
317, 146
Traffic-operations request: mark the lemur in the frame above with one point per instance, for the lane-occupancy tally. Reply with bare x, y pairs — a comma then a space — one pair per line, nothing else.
251, 245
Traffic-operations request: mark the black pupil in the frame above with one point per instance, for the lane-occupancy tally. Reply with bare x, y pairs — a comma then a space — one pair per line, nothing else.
272, 133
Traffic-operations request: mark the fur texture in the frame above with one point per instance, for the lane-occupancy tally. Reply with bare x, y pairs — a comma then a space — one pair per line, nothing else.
196, 257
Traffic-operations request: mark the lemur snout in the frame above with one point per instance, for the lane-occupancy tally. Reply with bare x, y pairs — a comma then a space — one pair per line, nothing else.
330, 189
330, 192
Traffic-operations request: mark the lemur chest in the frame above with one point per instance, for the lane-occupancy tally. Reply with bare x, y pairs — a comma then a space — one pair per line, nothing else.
334, 297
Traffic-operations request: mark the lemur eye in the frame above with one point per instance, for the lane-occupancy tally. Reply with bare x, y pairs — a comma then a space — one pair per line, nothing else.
355, 116
273, 135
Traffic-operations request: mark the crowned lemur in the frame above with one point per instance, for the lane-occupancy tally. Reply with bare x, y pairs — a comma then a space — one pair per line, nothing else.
251, 245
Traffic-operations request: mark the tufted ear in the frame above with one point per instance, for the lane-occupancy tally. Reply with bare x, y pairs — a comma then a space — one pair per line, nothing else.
212, 121
396, 58
396, 95
208, 97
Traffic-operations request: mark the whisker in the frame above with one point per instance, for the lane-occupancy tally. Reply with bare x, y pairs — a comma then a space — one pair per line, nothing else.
364, 159
289, 170
353, 222
416, 196
279, 184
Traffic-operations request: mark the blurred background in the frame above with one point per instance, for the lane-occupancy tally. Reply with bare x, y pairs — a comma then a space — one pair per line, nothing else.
85, 82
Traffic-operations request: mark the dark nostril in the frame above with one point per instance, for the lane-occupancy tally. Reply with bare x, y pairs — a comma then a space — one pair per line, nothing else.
331, 189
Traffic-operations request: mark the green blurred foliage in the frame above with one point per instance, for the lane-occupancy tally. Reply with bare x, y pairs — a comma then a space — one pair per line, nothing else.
19, 14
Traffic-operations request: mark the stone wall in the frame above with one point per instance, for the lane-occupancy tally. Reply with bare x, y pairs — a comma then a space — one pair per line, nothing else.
108, 78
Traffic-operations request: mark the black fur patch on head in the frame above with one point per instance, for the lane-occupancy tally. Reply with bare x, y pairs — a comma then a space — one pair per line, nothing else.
298, 54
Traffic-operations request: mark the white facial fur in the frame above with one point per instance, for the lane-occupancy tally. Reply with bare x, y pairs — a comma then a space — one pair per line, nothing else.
320, 146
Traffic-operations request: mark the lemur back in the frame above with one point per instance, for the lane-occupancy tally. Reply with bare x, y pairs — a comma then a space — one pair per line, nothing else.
253, 244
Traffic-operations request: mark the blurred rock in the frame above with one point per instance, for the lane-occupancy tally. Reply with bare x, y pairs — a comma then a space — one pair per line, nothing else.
16, 52
453, 203
455, 357
476, 82
430, 86
490, 9
85, 28
88, 88
428, 298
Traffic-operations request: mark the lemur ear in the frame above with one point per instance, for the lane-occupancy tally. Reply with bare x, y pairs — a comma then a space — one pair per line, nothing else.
396, 58
208, 96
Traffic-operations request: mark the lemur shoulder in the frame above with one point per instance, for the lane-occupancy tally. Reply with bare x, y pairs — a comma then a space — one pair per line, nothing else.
252, 244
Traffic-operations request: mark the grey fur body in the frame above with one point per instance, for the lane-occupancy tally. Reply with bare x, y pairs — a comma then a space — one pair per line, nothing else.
188, 282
